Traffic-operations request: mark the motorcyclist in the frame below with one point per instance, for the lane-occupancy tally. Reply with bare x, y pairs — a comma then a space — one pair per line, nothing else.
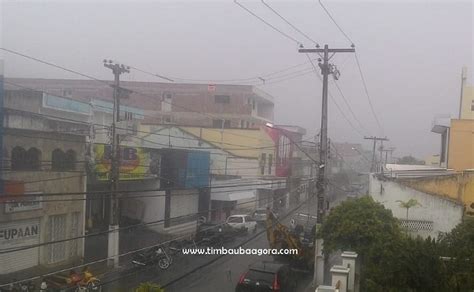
86, 275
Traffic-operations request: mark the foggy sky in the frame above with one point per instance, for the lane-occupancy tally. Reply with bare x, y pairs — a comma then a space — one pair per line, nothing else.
411, 53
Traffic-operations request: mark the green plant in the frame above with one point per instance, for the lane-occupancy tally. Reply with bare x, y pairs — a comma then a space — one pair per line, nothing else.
149, 287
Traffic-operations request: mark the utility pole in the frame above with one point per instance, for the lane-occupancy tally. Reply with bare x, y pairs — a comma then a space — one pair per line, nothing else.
375, 139
113, 238
326, 69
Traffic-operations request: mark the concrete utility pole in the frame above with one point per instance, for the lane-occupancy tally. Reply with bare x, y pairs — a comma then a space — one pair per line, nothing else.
326, 69
113, 242
375, 139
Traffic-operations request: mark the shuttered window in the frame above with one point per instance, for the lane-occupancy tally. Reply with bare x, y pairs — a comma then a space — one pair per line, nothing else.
75, 232
57, 231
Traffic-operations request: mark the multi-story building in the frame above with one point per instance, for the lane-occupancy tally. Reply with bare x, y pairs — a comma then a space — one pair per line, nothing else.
217, 106
466, 105
44, 153
457, 135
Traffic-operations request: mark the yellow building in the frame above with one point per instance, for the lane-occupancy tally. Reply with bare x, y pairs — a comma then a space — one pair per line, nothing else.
459, 187
466, 108
461, 145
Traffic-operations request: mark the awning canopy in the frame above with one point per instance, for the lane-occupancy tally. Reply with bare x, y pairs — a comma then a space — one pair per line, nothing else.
233, 196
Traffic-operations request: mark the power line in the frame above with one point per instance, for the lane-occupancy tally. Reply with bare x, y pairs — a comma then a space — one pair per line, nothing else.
254, 79
4, 196
290, 24
315, 70
367, 92
348, 105
10, 250
120, 255
335, 22
267, 23
129, 90
358, 64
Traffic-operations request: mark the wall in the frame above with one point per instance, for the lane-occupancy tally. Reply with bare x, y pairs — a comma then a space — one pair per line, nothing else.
461, 145
467, 111
459, 187
444, 213
47, 182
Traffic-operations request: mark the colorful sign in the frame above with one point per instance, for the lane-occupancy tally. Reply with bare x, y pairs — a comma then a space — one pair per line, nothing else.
134, 162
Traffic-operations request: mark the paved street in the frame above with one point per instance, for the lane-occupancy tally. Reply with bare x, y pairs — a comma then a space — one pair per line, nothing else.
198, 272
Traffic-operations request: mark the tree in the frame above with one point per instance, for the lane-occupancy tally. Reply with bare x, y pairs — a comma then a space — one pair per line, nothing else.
457, 249
408, 204
410, 160
366, 227
358, 225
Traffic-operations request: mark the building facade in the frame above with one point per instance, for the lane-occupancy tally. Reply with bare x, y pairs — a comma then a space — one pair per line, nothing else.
41, 147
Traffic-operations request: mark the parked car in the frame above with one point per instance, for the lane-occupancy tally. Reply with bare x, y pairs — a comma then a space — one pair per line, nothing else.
260, 215
242, 222
209, 234
267, 277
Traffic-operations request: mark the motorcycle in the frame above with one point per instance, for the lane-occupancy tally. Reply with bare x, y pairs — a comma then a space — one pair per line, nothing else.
153, 256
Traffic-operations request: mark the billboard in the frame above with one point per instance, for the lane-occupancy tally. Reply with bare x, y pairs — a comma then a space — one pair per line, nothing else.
136, 163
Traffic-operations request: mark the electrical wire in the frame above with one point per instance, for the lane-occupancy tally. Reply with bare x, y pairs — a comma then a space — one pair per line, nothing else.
14, 249
289, 23
334, 100
335, 22
349, 106
119, 255
4, 196
367, 93
267, 23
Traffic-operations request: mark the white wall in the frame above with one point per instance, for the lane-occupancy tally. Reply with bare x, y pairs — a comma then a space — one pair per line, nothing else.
445, 214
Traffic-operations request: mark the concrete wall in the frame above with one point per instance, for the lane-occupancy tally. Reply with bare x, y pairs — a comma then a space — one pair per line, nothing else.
461, 145
45, 182
444, 213
458, 187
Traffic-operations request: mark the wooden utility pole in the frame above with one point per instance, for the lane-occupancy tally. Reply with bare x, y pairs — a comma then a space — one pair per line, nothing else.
326, 69
113, 238
375, 139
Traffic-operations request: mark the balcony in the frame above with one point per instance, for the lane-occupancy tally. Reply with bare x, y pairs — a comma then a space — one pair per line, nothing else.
440, 123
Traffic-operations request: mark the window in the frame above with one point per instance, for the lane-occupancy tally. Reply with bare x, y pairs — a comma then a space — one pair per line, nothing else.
33, 156
262, 163
57, 159
235, 220
18, 158
270, 162
70, 160
75, 232
63, 161
221, 99
218, 123
25, 160
57, 231
472, 106
128, 116
166, 101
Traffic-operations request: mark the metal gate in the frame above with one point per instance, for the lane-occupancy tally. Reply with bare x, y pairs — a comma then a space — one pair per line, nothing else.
18, 234
57, 231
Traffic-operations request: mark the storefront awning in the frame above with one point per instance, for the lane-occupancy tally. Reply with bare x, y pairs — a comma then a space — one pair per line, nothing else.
233, 196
